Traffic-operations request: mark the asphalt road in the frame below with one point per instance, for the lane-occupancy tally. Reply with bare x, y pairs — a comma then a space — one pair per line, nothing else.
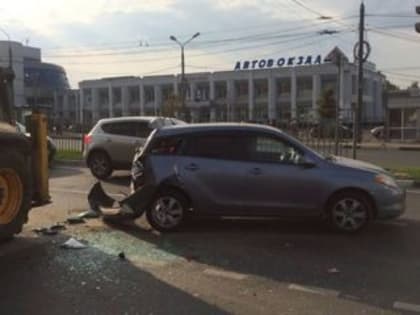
211, 267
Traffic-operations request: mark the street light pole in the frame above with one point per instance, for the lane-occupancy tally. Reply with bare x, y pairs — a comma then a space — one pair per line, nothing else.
183, 85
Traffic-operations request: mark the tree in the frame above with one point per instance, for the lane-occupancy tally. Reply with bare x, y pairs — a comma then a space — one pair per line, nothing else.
172, 106
327, 105
414, 85
389, 86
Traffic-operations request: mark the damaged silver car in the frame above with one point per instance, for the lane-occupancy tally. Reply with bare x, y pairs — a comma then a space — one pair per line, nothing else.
254, 170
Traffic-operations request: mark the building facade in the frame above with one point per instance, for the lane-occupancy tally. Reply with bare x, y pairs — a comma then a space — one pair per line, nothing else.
403, 114
276, 94
35, 81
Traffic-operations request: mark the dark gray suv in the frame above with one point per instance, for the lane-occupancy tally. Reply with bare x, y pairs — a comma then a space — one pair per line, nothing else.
254, 170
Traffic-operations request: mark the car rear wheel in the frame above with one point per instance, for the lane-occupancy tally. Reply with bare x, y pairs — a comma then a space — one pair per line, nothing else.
100, 165
167, 211
349, 212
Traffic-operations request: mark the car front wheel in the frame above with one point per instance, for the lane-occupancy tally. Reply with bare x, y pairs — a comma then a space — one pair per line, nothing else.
349, 212
167, 211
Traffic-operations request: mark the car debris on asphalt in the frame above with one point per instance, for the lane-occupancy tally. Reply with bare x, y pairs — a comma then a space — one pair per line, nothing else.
72, 243
50, 231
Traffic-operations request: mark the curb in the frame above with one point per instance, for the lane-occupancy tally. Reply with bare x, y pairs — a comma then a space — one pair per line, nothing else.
77, 163
409, 148
408, 183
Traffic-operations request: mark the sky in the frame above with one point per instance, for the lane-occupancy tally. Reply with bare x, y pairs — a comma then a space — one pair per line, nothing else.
104, 38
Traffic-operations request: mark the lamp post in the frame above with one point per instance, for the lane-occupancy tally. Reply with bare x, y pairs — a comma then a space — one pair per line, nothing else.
182, 45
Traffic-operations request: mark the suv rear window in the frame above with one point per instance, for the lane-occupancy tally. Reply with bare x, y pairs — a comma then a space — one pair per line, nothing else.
128, 128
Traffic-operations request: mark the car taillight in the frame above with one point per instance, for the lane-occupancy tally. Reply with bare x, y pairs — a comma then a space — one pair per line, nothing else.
87, 139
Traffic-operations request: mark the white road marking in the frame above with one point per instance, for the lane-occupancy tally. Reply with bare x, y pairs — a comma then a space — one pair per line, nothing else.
225, 274
314, 290
416, 192
69, 168
79, 192
407, 307
393, 223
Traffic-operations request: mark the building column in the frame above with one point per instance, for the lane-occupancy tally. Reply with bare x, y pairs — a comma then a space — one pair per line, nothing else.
95, 105
192, 91
272, 98
212, 89
82, 105
141, 99
110, 101
230, 98
124, 100
175, 84
251, 96
293, 91
418, 125
316, 91
157, 98
66, 107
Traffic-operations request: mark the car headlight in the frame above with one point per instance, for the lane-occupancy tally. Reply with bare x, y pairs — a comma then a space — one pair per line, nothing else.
386, 180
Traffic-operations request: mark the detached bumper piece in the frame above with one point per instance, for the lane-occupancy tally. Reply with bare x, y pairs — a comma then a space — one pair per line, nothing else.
129, 208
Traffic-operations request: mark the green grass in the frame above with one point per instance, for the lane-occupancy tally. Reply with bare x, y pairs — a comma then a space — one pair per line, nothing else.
407, 172
68, 155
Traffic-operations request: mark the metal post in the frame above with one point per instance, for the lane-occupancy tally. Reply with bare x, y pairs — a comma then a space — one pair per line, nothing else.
184, 110
359, 104
337, 105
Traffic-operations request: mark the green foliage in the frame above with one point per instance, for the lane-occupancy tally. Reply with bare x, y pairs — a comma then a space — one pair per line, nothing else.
327, 105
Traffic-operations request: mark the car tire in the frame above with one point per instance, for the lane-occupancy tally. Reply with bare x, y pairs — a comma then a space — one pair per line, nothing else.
167, 211
100, 165
15, 193
349, 212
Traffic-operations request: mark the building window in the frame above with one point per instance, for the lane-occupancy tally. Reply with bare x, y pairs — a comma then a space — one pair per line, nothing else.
283, 87
167, 92
261, 88
241, 88
304, 87
133, 94
149, 94
116, 95
220, 90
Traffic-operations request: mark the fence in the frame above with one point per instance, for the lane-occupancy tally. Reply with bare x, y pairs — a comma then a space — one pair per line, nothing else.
68, 143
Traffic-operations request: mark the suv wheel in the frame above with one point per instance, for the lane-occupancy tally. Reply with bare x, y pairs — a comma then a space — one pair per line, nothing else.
100, 165
167, 211
349, 212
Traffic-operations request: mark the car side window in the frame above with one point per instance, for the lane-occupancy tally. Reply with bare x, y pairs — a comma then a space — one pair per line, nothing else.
166, 146
271, 149
120, 128
143, 130
218, 146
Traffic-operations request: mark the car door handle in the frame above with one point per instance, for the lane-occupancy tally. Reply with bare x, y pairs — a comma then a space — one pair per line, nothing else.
192, 167
256, 171
108, 140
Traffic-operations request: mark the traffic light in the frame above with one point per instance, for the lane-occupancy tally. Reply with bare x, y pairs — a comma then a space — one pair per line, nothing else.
417, 25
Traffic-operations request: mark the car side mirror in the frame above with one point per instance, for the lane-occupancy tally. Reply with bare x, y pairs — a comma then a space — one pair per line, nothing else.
305, 162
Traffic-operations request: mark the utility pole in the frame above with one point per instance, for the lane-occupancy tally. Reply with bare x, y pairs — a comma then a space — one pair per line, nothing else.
361, 59
183, 85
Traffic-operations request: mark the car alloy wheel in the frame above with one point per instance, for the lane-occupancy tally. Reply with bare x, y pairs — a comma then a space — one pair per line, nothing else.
349, 214
167, 212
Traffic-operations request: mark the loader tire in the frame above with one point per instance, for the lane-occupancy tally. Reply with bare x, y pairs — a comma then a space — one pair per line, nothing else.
15, 192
